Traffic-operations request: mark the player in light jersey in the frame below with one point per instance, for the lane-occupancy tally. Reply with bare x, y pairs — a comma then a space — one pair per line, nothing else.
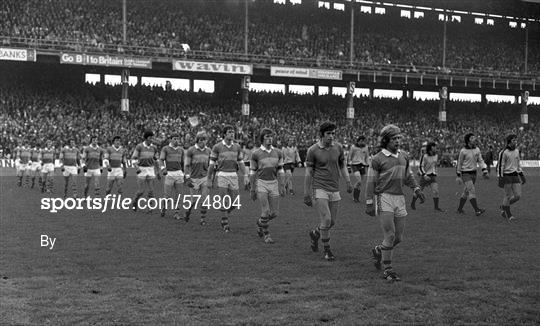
227, 158
22, 163
46, 159
35, 166
196, 168
171, 161
291, 159
388, 172
358, 158
325, 162
510, 175
92, 163
267, 181
145, 158
247, 150
428, 174
70, 160
468, 158
115, 161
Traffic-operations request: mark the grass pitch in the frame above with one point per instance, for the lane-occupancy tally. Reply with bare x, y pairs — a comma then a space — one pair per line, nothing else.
126, 268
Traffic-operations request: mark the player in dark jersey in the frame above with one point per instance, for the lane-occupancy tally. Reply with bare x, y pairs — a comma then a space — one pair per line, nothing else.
196, 168
267, 181
46, 159
171, 162
324, 162
22, 164
145, 158
115, 161
227, 159
92, 163
70, 159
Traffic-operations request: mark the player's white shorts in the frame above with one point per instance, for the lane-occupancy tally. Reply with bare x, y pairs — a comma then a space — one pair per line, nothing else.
227, 180
173, 177
146, 172
69, 170
392, 204
269, 187
47, 168
325, 194
20, 167
116, 173
35, 166
93, 173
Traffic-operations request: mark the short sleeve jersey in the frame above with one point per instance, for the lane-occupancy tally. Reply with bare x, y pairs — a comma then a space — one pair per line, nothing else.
326, 163
115, 156
47, 155
24, 155
227, 157
70, 156
266, 163
173, 157
93, 157
147, 155
199, 158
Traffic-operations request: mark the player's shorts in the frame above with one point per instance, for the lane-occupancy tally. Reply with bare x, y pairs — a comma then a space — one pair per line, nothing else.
511, 178
468, 176
69, 170
21, 166
424, 183
329, 195
199, 183
173, 177
269, 187
35, 166
146, 172
115, 173
93, 173
228, 180
288, 167
392, 204
359, 167
47, 168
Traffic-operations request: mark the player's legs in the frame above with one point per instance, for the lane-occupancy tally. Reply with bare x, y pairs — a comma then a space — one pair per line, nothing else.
141, 182
149, 185
168, 189
288, 181
262, 223
177, 190
435, 192
389, 236
87, 180
357, 186
516, 189
110, 184
325, 223
222, 192
205, 192
20, 173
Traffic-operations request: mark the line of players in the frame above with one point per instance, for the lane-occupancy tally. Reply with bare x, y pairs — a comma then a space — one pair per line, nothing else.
325, 163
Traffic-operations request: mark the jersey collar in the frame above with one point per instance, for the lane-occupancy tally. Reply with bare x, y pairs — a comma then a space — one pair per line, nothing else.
388, 153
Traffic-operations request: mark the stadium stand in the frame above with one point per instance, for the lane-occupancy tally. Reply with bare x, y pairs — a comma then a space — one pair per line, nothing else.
284, 34
31, 114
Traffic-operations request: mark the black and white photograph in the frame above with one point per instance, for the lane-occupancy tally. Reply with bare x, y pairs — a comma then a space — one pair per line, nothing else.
269, 162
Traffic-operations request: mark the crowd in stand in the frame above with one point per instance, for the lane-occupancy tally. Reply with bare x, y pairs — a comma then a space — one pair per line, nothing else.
296, 34
33, 115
